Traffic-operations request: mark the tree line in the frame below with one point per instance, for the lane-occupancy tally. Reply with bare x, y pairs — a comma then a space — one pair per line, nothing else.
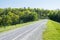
12, 16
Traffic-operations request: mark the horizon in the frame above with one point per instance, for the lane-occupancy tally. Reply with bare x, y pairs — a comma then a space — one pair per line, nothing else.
30, 7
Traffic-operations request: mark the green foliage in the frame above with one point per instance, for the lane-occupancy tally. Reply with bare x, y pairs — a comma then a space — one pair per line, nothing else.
12, 16
55, 15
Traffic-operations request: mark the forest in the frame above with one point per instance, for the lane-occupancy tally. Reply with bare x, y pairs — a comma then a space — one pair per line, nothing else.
12, 16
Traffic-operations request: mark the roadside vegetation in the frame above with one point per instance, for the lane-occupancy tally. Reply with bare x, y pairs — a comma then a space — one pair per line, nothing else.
7, 28
53, 31
14, 16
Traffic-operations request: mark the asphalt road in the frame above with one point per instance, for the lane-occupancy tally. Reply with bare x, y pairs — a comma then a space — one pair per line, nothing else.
29, 32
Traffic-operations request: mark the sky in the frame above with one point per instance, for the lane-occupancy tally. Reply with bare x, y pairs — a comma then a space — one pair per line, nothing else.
46, 4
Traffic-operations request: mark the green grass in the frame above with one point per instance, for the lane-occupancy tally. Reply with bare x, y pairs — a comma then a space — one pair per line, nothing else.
53, 31
7, 28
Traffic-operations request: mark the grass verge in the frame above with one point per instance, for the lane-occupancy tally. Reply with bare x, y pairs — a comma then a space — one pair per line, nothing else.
53, 31
7, 28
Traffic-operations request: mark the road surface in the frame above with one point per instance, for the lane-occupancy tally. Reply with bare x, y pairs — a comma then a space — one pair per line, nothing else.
29, 32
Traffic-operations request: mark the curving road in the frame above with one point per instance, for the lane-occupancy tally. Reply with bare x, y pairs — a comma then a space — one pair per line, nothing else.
29, 32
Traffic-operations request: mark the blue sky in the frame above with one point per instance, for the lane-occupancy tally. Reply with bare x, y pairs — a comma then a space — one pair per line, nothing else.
46, 4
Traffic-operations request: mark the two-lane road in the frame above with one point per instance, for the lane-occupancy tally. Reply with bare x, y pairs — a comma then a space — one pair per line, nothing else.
30, 32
